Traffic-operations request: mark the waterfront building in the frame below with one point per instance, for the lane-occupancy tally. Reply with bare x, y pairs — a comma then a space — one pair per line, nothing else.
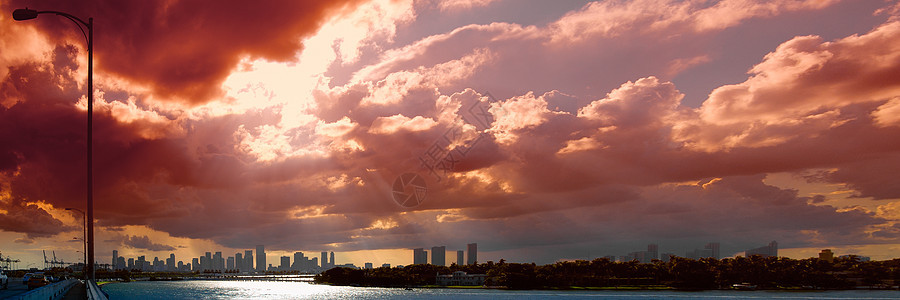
473, 254
170, 262
229, 265
248, 260
260, 258
764, 251
460, 257
239, 262
285, 263
460, 278
826, 255
715, 250
420, 256
115, 258
438, 255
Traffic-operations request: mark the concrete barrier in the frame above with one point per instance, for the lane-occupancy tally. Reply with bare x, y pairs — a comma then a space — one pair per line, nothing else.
54, 291
94, 292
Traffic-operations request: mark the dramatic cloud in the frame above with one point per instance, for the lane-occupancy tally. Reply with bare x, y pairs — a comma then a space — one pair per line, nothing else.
183, 50
143, 242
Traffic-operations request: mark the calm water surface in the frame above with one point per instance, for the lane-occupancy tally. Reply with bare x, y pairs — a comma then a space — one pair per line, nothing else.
203, 289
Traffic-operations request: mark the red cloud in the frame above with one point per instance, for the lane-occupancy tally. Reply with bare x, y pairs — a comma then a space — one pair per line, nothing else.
183, 50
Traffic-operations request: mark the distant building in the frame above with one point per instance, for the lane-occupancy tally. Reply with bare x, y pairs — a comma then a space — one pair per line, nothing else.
460, 257
460, 278
369, 265
860, 258
438, 255
285, 263
652, 252
331, 262
229, 264
420, 256
260, 258
239, 262
473, 254
115, 258
325, 260
666, 257
715, 250
826, 255
248, 260
764, 251
385, 265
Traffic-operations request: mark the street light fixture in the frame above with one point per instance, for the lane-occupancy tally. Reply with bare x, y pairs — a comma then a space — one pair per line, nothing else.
84, 233
28, 14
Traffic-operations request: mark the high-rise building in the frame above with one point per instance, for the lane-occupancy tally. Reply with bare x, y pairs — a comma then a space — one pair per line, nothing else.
248, 260
473, 254
715, 250
300, 262
460, 257
230, 264
170, 262
324, 260
239, 262
115, 258
260, 258
764, 251
285, 263
331, 262
438, 255
195, 264
652, 253
218, 262
420, 256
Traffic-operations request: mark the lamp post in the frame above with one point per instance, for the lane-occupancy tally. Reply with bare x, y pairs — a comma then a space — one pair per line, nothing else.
84, 233
28, 14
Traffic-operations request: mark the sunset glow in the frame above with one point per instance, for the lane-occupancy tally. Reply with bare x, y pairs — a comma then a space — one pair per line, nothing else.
544, 130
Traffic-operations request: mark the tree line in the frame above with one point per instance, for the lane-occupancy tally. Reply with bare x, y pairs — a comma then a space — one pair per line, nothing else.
678, 272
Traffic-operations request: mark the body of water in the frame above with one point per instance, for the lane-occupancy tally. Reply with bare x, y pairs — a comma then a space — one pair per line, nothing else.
211, 289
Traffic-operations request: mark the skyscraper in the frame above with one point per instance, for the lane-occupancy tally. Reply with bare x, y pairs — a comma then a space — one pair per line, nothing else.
324, 260
460, 257
115, 258
652, 253
260, 258
170, 262
715, 249
239, 262
438, 255
248, 260
420, 256
331, 262
764, 251
473, 254
285, 263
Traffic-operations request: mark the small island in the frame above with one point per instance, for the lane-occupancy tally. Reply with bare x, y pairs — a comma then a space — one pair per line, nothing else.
754, 272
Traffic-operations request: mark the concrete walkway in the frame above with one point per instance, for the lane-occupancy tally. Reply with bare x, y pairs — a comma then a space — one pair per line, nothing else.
77, 292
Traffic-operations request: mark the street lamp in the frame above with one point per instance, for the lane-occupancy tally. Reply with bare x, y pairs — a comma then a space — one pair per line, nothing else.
84, 233
28, 14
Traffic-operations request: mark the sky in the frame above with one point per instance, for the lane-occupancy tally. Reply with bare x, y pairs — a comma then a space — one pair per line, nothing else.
540, 130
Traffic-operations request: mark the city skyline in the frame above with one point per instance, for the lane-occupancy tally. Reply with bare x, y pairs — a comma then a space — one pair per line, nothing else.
542, 130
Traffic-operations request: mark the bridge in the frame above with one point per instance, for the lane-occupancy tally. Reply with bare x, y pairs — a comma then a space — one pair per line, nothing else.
71, 289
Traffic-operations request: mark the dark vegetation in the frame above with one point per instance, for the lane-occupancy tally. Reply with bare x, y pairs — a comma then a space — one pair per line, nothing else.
678, 273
